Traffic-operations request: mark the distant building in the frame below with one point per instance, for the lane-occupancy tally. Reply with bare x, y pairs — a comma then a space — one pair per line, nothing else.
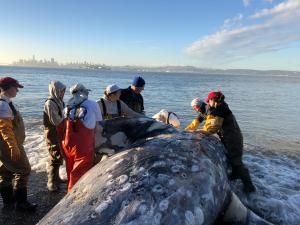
36, 63
33, 62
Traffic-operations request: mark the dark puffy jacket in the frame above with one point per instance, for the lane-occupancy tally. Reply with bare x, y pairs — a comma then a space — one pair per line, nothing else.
230, 132
133, 100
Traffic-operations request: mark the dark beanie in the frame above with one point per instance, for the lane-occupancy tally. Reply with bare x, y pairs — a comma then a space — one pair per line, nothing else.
138, 82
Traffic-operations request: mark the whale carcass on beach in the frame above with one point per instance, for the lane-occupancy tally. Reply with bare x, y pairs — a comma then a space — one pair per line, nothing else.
157, 175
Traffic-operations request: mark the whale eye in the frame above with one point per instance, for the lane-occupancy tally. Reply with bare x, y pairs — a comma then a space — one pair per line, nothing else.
183, 175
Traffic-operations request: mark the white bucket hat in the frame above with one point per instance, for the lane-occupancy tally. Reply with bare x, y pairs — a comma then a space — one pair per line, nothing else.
79, 93
79, 88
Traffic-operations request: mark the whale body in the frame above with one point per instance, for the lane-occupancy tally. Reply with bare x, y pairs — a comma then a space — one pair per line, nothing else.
155, 175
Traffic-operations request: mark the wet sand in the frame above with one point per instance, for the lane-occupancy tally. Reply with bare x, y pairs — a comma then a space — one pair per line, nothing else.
38, 193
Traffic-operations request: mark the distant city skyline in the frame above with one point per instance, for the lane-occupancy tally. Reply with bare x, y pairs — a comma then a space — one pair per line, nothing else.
33, 61
241, 34
52, 63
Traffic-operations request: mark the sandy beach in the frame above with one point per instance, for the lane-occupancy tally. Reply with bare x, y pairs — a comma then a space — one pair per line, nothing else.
38, 193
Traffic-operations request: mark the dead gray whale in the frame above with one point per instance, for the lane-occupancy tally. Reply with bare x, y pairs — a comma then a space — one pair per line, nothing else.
157, 175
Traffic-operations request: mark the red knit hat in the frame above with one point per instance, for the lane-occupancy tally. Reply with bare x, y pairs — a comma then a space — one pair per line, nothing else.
217, 95
211, 95
7, 82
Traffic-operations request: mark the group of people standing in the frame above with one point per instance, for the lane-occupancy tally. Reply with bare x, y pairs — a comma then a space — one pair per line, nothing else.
70, 133
73, 134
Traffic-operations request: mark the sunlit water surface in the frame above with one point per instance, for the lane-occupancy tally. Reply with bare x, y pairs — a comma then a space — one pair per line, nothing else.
267, 109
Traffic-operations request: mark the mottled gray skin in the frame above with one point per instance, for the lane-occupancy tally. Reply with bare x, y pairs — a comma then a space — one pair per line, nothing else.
162, 176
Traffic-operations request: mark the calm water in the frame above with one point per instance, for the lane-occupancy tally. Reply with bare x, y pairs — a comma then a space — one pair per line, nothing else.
266, 107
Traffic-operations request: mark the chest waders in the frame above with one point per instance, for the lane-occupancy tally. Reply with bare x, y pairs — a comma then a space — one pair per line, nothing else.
17, 171
54, 149
107, 116
78, 145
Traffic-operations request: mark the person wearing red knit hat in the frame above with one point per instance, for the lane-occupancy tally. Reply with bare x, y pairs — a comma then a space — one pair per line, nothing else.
220, 120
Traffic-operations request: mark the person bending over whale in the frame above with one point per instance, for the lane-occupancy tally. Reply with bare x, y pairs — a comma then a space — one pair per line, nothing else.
202, 108
220, 120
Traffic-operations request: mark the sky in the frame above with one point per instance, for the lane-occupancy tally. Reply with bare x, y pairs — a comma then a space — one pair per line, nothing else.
233, 34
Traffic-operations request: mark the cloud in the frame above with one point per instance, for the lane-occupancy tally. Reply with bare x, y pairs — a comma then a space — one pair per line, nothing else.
271, 30
291, 6
246, 2
228, 23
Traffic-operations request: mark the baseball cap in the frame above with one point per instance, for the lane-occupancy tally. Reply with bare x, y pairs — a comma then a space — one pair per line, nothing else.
7, 82
112, 88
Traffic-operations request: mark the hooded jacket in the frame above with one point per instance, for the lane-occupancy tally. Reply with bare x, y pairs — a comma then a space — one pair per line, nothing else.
54, 105
53, 116
79, 106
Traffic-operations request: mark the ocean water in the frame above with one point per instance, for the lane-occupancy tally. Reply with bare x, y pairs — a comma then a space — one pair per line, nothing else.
267, 109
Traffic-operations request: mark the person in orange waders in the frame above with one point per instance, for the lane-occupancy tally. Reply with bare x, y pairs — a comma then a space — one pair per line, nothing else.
77, 133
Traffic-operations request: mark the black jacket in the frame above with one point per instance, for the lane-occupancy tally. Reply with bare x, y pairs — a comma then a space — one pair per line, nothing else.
133, 100
230, 133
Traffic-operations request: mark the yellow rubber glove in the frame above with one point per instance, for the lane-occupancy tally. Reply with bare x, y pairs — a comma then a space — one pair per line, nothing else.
212, 125
193, 125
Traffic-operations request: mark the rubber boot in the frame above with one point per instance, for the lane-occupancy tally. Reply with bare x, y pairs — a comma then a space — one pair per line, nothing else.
58, 180
22, 203
8, 199
246, 179
233, 176
52, 174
